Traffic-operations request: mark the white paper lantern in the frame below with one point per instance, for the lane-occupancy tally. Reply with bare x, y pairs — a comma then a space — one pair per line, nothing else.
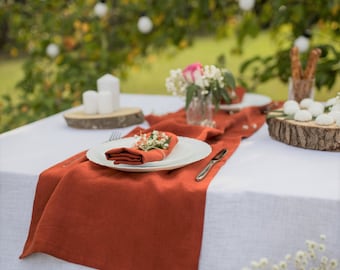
302, 43
100, 9
144, 24
52, 50
246, 4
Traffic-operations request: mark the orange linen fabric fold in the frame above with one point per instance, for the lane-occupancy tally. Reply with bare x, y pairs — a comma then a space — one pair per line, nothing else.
240, 91
108, 219
135, 156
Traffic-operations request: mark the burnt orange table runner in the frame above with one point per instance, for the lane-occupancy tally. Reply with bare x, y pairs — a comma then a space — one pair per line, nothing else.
108, 219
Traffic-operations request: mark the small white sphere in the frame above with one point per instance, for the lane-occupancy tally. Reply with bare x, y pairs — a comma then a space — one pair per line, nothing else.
335, 115
100, 9
324, 120
336, 108
290, 107
330, 102
144, 24
303, 116
316, 108
246, 4
302, 43
306, 102
52, 50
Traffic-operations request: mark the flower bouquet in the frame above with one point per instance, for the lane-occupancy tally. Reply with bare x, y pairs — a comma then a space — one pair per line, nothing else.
196, 80
202, 86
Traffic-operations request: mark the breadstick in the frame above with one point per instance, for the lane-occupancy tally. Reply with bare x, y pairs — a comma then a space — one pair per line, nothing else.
295, 63
312, 63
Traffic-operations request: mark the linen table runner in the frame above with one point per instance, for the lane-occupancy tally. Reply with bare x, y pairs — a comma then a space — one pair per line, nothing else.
108, 219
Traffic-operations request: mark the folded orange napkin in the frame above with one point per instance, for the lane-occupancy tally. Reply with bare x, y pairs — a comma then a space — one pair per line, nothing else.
137, 156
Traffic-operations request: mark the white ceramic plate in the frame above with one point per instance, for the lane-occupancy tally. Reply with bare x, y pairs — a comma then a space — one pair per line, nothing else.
186, 151
249, 99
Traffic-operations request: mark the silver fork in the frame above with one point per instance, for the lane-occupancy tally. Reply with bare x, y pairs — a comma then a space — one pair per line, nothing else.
115, 135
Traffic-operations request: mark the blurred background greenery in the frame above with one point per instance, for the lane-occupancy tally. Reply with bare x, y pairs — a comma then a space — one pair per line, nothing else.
139, 41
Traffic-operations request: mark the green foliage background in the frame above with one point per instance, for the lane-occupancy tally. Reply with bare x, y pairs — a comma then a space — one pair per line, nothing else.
91, 46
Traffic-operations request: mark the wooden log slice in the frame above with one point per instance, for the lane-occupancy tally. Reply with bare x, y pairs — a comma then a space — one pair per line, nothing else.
121, 118
305, 134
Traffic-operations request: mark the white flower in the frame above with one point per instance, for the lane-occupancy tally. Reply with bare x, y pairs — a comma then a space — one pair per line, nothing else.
264, 262
212, 73
311, 244
322, 247
324, 119
302, 43
100, 9
176, 83
275, 267
324, 259
246, 4
290, 107
52, 50
283, 265
303, 116
144, 25
333, 263
300, 255
305, 103
316, 108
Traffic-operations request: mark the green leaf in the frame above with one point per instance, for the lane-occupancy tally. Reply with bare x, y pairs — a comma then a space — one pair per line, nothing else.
190, 92
229, 80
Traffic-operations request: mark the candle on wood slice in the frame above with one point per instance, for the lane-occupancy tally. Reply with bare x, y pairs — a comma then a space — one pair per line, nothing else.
105, 102
90, 102
110, 83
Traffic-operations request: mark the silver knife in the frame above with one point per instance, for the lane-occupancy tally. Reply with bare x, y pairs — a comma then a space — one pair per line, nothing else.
211, 163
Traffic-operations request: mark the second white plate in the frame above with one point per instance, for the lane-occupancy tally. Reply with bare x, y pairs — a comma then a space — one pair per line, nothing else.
186, 151
249, 99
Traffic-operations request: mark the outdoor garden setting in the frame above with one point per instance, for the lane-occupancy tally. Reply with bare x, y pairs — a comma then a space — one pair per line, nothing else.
51, 52
170, 134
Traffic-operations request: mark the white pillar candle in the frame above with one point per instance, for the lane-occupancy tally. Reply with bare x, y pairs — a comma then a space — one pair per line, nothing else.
110, 83
105, 102
90, 102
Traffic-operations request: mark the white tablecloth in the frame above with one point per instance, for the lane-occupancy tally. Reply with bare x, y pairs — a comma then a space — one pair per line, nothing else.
265, 202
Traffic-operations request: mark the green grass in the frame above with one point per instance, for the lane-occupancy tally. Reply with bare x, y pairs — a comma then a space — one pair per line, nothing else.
10, 73
150, 78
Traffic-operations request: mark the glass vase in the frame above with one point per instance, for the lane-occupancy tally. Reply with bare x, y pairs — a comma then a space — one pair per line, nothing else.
200, 110
298, 89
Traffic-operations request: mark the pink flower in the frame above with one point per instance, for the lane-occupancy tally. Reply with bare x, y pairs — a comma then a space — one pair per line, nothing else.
193, 73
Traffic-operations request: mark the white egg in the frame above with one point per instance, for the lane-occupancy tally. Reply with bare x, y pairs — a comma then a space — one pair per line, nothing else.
305, 103
303, 116
336, 108
324, 120
335, 115
290, 107
316, 108
330, 102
